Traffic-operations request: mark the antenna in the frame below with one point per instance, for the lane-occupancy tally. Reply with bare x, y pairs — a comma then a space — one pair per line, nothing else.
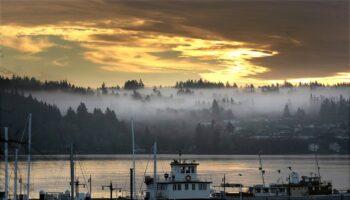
314, 148
180, 153
261, 169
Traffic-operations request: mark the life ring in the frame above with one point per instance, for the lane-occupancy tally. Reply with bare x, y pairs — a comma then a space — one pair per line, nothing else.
188, 178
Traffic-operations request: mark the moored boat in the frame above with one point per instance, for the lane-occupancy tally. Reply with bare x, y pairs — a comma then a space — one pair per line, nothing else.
183, 182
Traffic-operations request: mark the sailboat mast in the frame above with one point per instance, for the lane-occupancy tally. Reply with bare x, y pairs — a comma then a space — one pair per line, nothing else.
6, 164
133, 155
155, 169
71, 172
15, 176
29, 148
318, 167
262, 171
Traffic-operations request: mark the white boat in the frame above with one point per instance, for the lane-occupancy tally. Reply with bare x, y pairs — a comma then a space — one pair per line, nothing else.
182, 183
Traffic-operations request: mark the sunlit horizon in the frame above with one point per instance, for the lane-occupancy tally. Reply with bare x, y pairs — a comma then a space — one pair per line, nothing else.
162, 47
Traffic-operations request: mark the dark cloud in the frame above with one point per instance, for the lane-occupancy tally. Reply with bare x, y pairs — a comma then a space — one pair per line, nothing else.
312, 37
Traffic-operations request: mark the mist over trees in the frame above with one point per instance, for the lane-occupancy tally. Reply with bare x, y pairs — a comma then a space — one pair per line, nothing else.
205, 121
133, 85
32, 84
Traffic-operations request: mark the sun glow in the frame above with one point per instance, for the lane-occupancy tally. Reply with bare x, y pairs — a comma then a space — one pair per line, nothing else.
120, 49
134, 53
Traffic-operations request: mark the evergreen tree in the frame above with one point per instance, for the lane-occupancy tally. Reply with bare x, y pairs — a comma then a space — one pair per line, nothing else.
215, 109
82, 110
229, 128
103, 88
300, 114
286, 113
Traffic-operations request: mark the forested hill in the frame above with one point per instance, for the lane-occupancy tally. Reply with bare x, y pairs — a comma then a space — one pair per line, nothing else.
101, 132
32, 84
197, 123
97, 132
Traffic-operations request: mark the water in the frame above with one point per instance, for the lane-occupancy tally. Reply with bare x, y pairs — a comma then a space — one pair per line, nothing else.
52, 174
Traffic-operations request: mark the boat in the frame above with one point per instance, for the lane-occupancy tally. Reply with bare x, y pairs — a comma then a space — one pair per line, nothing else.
183, 182
307, 186
295, 187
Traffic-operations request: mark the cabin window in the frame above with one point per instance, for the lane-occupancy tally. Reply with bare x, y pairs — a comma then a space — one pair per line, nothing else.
192, 169
182, 170
187, 170
163, 187
193, 186
178, 186
186, 186
174, 186
258, 190
266, 190
202, 187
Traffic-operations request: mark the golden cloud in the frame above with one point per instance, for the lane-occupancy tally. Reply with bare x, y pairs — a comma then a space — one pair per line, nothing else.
27, 44
116, 48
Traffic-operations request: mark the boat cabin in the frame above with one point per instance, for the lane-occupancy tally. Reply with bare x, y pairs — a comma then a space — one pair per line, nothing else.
271, 190
182, 183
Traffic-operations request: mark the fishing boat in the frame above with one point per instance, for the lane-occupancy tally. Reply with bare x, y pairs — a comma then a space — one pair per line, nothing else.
307, 186
296, 186
183, 182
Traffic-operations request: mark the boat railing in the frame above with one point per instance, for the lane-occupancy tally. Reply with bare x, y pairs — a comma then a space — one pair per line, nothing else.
200, 177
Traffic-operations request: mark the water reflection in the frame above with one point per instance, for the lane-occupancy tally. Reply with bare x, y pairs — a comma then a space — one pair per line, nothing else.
53, 174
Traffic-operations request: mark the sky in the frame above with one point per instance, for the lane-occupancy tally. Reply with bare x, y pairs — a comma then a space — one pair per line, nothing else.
87, 42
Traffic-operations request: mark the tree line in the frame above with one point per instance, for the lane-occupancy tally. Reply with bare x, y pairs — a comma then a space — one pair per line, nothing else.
101, 131
30, 84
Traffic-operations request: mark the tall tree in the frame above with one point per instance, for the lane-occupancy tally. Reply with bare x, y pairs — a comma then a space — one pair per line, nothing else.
286, 113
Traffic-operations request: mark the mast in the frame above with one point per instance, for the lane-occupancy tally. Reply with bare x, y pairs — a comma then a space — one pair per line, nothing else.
15, 176
262, 171
224, 185
155, 169
111, 188
20, 186
6, 164
90, 184
133, 157
29, 148
318, 167
131, 184
71, 172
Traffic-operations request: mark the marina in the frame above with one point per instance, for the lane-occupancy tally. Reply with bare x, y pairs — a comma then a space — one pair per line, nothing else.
183, 181
52, 173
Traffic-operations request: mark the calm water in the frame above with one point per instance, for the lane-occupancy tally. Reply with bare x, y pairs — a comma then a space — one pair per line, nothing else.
52, 175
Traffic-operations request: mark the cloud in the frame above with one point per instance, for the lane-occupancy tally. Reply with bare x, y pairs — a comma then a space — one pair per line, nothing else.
218, 40
61, 62
27, 44
134, 52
